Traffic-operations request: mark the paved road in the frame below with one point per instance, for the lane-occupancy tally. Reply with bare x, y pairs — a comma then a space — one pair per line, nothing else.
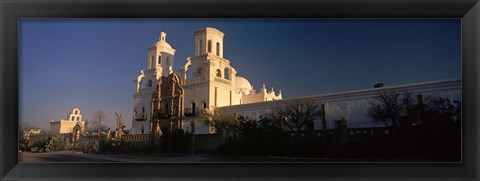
69, 156
28, 157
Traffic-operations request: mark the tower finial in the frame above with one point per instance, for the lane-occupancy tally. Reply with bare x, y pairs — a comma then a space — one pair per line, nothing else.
163, 36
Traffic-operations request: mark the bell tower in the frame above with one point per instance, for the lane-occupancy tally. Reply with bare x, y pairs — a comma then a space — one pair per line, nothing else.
160, 63
208, 78
209, 41
160, 56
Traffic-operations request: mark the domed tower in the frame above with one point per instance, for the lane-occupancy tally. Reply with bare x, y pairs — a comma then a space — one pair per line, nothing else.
161, 55
160, 63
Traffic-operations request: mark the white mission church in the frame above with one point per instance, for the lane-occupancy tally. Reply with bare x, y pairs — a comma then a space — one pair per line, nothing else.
209, 81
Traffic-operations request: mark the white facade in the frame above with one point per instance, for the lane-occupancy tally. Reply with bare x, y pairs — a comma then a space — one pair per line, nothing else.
160, 63
66, 125
209, 80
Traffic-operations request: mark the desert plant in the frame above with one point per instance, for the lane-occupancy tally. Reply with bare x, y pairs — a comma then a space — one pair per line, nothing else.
56, 143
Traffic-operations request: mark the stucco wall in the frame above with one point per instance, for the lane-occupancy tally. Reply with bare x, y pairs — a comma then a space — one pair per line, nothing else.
352, 105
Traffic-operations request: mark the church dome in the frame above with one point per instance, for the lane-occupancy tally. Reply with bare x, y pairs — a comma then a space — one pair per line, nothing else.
162, 41
163, 44
243, 85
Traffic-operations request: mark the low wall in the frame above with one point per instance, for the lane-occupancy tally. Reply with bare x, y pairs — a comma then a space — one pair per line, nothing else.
206, 142
138, 140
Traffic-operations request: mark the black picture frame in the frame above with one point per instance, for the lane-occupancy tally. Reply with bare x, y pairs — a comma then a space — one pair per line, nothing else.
12, 11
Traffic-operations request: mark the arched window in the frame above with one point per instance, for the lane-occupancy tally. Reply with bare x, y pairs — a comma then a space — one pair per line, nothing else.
149, 83
227, 73
159, 59
200, 47
204, 105
72, 118
218, 49
168, 61
198, 72
193, 107
209, 46
143, 109
76, 112
167, 109
219, 73
78, 118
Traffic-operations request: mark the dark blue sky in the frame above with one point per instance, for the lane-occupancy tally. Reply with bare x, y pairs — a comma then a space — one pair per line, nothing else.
92, 63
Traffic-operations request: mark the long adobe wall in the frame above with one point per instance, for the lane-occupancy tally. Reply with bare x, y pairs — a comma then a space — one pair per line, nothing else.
353, 105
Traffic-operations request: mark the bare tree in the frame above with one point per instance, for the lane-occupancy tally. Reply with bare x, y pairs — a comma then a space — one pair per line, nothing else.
386, 107
98, 120
390, 107
439, 110
298, 114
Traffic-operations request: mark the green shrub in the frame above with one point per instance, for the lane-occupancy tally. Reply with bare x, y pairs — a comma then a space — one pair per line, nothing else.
56, 143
